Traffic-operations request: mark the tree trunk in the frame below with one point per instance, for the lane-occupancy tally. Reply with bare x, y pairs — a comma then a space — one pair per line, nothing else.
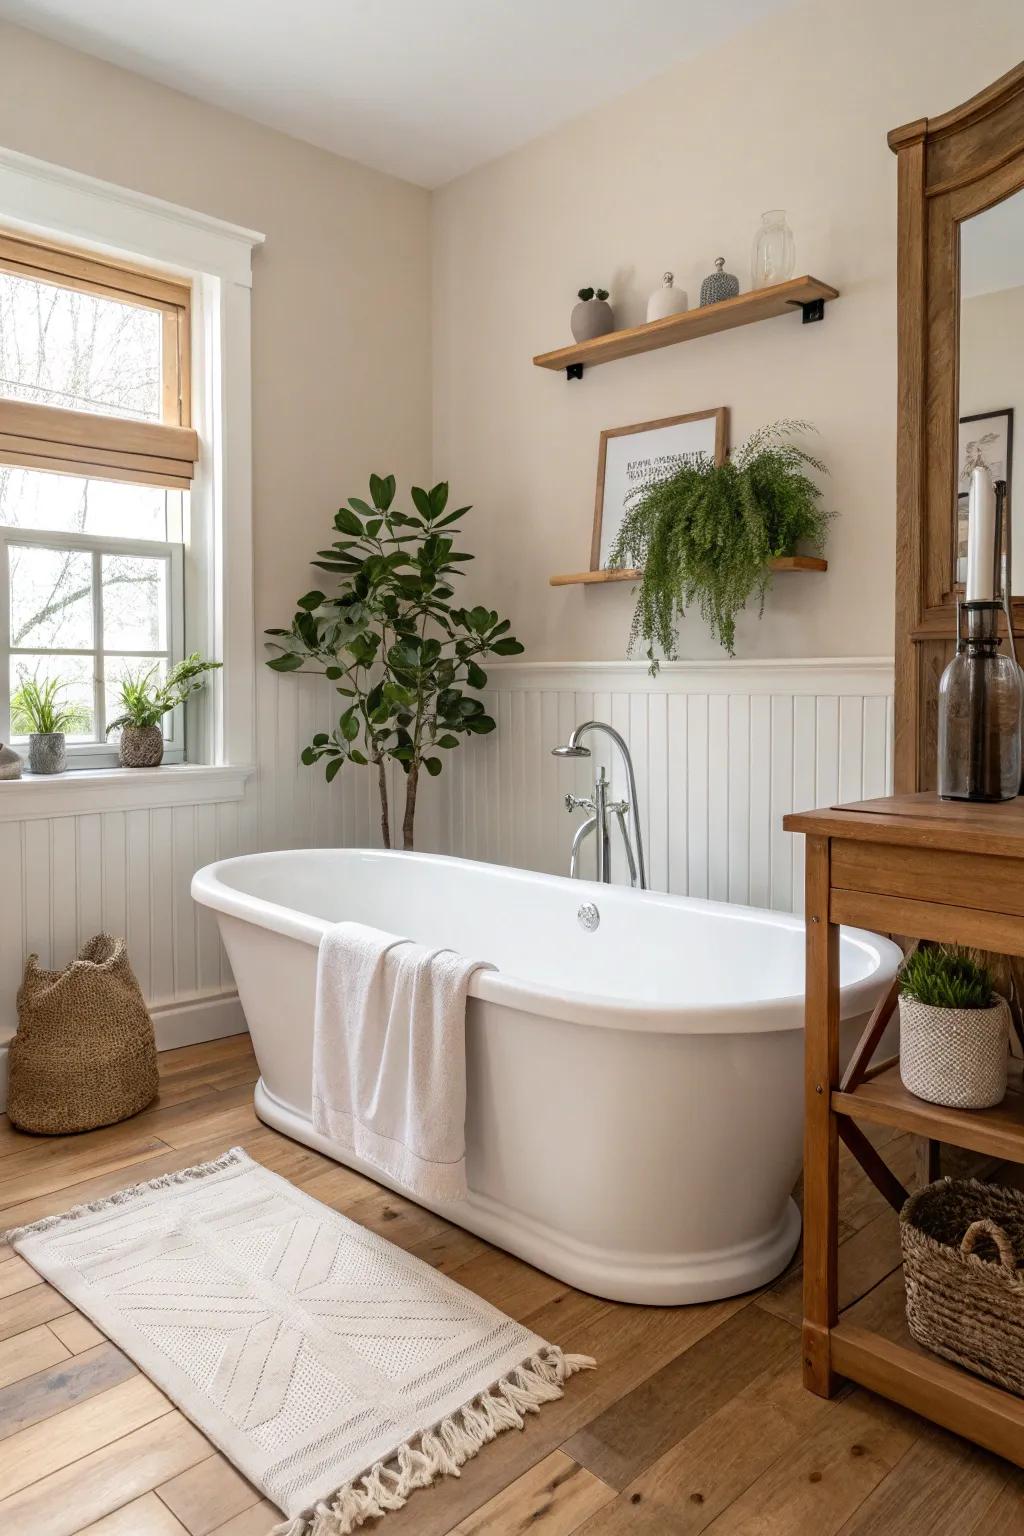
410, 804
382, 784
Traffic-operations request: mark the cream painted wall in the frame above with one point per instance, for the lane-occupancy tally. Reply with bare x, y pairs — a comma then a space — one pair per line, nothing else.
791, 114
341, 306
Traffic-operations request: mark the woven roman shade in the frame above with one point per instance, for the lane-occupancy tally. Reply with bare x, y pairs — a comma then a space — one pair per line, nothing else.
48, 437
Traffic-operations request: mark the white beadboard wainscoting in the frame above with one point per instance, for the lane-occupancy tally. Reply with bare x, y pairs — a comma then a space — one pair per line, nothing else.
722, 751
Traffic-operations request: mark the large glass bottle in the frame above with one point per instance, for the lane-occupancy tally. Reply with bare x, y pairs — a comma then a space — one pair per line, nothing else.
774, 255
980, 697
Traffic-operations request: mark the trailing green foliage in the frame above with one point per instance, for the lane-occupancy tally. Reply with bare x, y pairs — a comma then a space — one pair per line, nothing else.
401, 652
706, 533
35, 709
586, 294
145, 700
946, 977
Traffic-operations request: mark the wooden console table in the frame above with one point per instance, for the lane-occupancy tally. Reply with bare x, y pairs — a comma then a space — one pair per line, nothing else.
917, 866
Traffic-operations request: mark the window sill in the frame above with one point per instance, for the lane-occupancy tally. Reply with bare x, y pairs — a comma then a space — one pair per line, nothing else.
119, 789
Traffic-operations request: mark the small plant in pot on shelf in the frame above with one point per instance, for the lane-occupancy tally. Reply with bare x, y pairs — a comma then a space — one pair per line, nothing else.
954, 1029
707, 533
37, 712
592, 316
144, 702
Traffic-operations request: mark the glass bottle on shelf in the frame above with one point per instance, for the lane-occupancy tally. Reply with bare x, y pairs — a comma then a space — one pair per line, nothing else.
980, 698
774, 256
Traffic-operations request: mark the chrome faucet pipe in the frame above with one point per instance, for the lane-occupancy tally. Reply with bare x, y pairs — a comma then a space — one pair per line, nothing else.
601, 807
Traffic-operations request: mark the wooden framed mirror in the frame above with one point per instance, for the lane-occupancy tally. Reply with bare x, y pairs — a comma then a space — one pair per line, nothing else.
960, 270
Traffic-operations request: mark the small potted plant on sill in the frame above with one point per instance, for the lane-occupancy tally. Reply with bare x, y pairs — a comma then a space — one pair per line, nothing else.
145, 701
954, 1029
37, 713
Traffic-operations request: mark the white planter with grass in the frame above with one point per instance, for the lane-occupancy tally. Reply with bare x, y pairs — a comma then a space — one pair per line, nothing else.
954, 1031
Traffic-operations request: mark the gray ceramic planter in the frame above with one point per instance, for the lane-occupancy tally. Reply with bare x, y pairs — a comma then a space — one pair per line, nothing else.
590, 318
46, 752
141, 746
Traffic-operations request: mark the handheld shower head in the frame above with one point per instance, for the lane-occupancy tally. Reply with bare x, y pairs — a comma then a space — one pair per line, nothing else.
570, 751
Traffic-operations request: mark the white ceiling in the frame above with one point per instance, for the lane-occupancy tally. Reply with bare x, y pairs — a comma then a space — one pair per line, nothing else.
424, 89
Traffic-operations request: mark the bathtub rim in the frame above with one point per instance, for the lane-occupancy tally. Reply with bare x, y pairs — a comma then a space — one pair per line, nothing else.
767, 1015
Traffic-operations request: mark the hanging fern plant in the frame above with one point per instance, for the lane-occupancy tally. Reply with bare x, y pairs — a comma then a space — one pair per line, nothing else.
706, 533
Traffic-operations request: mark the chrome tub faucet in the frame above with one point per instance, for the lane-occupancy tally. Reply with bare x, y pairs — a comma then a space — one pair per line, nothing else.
601, 809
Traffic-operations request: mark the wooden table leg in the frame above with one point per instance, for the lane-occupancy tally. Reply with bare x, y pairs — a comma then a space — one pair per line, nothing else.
928, 1160
821, 1138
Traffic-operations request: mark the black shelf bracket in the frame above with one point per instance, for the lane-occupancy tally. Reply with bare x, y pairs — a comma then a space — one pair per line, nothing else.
813, 311
574, 371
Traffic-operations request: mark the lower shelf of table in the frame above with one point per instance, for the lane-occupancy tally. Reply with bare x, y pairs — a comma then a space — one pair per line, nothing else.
883, 1100
931, 1387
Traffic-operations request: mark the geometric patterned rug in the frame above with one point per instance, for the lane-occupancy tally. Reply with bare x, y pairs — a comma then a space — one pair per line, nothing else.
335, 1371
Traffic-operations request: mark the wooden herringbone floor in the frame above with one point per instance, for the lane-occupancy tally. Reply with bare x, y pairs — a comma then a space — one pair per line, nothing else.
694, 1422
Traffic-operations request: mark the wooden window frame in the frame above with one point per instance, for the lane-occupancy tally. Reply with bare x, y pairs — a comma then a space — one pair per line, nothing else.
85, 442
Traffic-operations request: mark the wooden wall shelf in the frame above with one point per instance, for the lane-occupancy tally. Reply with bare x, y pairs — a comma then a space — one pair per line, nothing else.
808, 294
628, 573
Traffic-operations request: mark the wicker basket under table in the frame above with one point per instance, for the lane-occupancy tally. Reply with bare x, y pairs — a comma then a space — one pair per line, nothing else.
963, 1265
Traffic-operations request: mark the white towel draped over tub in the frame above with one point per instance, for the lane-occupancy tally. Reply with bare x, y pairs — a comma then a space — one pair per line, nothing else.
389, 1056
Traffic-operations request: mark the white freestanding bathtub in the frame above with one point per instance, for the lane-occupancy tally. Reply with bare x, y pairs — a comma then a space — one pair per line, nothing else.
634, 1110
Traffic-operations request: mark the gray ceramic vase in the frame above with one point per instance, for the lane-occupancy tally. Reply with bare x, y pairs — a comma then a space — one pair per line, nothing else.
46, 753
590, 318
141, 746
10, 763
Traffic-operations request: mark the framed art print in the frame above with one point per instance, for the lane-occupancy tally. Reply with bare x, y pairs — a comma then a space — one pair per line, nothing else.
628, 456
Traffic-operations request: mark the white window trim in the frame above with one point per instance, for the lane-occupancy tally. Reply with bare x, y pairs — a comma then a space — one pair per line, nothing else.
50, 202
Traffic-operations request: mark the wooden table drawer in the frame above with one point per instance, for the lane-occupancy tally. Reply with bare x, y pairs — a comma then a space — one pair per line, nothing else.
929, 875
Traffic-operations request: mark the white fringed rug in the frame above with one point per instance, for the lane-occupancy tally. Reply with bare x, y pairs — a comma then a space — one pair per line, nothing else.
337, 1372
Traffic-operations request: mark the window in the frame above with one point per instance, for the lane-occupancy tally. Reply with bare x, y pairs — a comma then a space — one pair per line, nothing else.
96, 460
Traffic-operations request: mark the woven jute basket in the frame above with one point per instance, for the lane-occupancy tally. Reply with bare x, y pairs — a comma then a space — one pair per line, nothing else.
963, 1266
84, 1054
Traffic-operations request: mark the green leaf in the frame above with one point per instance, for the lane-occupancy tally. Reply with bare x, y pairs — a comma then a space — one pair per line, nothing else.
321, 739
383, 491
433, 765
480, 725
347, 522
508, 647
289, 663
476, 676
447, 741
309, 756
333, 768
421, 501
349, 723
311, 601
356, 756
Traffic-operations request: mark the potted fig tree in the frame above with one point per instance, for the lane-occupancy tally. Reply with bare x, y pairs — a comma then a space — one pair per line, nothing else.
954, 1029
144, 702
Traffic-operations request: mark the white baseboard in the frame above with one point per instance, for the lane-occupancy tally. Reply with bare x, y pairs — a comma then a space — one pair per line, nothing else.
177, 1024
208, 1018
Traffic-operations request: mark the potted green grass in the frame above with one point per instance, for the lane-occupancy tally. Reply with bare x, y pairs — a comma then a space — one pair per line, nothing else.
36, 712
144, 702
954, 1029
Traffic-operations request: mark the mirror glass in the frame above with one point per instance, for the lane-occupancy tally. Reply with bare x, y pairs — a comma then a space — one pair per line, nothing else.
992, 366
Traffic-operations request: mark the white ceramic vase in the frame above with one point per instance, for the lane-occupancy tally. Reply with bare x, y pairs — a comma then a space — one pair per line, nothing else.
666, 300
